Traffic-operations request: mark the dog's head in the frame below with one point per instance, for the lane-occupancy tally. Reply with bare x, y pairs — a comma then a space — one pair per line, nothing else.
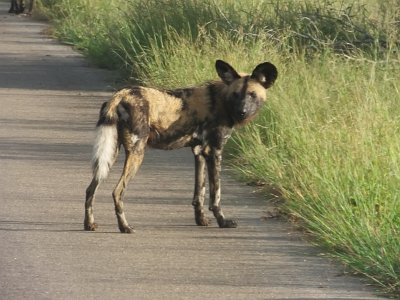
245, 94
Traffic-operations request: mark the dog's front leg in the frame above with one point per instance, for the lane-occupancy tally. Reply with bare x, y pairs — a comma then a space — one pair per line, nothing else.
199, 187
214, 159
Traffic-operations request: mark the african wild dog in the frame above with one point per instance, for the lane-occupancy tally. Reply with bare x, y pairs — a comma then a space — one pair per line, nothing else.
199, 117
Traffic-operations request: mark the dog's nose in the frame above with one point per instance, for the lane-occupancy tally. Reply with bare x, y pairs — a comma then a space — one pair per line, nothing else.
242, 113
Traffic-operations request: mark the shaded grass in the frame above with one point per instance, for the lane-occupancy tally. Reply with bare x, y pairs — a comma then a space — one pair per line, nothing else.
328, 136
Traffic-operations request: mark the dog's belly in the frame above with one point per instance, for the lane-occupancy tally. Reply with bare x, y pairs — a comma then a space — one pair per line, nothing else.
168, 140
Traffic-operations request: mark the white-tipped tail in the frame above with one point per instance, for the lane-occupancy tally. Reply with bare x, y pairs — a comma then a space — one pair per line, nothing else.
104, 151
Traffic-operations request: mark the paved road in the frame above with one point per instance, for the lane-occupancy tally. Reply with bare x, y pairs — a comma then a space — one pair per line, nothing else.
49, 101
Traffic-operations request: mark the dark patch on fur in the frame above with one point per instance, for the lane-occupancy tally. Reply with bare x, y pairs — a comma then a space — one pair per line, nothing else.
185, 105
171, 139
193, 116
212, 93
103, 120
218, 137
138, 117
181, 93
244, 88
136, 91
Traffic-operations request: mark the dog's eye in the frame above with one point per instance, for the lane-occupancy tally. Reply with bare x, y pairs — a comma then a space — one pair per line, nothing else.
253, 95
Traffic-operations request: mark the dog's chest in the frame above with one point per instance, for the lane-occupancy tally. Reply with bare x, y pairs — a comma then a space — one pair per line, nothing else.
213, 136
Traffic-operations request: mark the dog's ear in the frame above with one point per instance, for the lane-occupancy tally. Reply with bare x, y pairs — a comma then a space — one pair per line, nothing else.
226, 72
266, 74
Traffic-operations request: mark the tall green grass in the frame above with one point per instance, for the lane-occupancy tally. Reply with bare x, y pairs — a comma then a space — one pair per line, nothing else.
328, 138
331, 147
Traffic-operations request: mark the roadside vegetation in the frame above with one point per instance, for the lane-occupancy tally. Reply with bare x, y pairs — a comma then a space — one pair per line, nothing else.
329, 138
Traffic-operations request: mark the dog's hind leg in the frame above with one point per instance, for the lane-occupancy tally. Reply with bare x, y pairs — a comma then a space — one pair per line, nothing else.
105, 152
99, 176
133, 160
89, 223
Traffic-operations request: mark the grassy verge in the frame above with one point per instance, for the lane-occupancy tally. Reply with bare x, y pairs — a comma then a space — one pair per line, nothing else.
329, 136
331, 146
